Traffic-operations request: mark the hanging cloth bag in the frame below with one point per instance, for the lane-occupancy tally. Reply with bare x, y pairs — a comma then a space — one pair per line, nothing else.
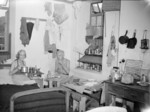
144, 41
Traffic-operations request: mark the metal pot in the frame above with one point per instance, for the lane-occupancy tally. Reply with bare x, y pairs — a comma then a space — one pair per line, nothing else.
24, 69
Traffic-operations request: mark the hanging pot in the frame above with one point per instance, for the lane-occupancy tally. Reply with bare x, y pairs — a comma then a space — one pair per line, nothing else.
145, 41
124, 39
132, 41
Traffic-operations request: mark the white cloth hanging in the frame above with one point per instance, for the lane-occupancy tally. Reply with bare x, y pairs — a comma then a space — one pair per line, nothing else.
37, 23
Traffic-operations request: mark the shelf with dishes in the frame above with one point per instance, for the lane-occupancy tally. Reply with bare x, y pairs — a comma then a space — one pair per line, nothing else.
92, 58
91, 62
90, 67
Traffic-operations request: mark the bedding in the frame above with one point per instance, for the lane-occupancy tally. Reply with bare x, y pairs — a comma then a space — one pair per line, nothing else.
5, 78
7, 90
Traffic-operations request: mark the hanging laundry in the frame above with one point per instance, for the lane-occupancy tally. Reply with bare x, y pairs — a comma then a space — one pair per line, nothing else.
47, 46
50, 26
111, 50
60, 14
48, 8
37, 23
46, 40
24, 37
29, 29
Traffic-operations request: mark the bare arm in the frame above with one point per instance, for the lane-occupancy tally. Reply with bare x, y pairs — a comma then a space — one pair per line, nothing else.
13, 68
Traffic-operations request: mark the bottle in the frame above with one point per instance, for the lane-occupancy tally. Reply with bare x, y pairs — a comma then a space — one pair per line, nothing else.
49, 74
143, 78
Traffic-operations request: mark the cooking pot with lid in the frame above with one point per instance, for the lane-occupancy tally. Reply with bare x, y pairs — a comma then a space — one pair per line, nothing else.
24, 69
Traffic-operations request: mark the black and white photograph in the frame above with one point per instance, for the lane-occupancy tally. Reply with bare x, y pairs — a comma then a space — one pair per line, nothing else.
74, 55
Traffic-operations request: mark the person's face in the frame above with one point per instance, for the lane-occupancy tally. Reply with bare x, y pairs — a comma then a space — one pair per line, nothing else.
22, 55
60, 56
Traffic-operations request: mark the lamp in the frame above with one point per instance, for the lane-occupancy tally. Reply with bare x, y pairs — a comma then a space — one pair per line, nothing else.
3, 2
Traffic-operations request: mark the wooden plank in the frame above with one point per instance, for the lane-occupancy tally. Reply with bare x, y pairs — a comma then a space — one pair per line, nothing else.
111, 5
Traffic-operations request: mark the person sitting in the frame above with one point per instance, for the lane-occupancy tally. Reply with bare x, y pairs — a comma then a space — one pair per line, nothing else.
18, 77
62, 65
62, 69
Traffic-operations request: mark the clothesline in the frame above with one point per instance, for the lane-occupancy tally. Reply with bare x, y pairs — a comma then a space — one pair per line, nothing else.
30, 18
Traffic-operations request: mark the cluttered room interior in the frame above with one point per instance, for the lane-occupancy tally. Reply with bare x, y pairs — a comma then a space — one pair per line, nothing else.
74, 55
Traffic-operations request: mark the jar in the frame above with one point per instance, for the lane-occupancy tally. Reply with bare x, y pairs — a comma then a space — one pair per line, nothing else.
115, 73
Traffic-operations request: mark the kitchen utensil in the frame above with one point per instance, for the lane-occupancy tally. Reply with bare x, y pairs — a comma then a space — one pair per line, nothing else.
124, 39
24, 69
144, 41
132, 41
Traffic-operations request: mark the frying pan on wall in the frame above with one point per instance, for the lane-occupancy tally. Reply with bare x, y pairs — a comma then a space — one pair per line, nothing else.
124, 39
132, 41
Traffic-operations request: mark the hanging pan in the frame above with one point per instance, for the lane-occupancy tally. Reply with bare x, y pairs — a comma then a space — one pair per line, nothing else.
132, 41
124, 39
144, 41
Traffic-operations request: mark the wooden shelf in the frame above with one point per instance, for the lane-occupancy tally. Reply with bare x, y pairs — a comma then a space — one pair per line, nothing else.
93, 55
91, 59
5, 66
88, 70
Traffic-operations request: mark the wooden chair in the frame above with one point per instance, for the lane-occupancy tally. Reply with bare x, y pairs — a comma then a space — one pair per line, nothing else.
41, 100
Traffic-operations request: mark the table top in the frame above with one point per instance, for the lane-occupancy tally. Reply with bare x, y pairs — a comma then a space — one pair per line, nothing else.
84, 88
132, 86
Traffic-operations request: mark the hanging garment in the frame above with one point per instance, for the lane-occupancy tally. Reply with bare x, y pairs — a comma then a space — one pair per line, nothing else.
46, 41
48, 8
24, 37
37, 23
47, 46
29, 29
60, 14
111, 49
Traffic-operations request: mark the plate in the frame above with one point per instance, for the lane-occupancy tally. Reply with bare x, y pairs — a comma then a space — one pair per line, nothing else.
143, 83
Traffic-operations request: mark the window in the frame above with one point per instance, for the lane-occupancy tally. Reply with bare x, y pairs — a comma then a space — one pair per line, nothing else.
96, 8
96, 18
3, 30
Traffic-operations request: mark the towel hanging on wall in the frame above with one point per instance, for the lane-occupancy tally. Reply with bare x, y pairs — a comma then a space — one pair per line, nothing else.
111, 50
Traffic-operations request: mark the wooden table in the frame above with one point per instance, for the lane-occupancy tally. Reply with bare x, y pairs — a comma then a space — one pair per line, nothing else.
59, 79
80, 94
134, 93
39, 81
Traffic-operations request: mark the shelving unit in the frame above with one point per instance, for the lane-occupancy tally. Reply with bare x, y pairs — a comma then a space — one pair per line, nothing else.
92, 58
2, 42
5, 37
